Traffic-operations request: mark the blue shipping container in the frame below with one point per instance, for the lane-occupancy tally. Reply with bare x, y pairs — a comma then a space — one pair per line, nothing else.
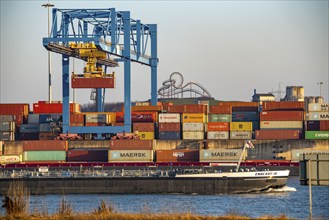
245, 116
29, 128
44, 119
169, 135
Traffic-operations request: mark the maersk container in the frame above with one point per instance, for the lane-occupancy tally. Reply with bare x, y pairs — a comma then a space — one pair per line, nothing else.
218, 135
241, 126
177, 155
318, 107
193, 127
285, 125
220, 155
219, 118
146, 135
7, 126
169, 118
7, 118
187, 135
44, 156
193, 118
130, 155
7, 136
245, 116
170, 135
315, 116
317, 135
241, 135
165, 127
29, 128
218, 126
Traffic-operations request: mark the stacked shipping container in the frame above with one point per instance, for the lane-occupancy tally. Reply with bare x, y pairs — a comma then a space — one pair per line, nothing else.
317, 121
169, 126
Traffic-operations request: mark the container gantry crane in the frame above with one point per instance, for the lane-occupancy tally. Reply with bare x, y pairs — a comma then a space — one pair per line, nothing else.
101, 37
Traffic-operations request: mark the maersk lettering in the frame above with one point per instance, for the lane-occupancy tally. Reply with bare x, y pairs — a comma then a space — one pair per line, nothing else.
324, 116
224, 154
132, 154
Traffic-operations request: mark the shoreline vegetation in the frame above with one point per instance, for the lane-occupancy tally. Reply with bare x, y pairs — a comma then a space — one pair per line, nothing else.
17, 201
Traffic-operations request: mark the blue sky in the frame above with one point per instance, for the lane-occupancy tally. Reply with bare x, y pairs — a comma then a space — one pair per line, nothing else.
230, 47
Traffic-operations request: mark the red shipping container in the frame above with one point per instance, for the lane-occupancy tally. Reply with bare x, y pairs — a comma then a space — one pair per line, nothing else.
177, 156
138, 117
143, 127
97, 82
131, 145
176, 109
324, 125
218, 126
45, 145
150, 108
77, 155
77, 124
46, 136
270, 106
282, 116
43, 107
195, 108
20, 111
164, 127
223, 109
77, 118
278, 134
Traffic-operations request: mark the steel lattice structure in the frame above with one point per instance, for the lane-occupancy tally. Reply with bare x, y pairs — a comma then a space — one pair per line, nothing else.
114, 32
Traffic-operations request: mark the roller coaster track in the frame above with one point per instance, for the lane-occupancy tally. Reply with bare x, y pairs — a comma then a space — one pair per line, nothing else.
173, 87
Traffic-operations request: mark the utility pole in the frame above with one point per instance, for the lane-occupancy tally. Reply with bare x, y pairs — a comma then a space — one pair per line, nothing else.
48, 5
320, 84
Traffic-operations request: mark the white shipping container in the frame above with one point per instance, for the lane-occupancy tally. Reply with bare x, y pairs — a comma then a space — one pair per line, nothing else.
131, 155
317, 107
289, 125
241, 135
188, 135
193, 127
98, 118
218, 135
220, 155
295, 153
317, 116
169, 118
7, 126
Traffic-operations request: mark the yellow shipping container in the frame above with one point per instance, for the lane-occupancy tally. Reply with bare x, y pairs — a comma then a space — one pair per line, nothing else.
240, 126
146, 135
112, 116
194, 118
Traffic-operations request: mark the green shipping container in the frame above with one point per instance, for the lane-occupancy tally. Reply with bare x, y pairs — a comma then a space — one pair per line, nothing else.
219, 118
323, 135
44, 156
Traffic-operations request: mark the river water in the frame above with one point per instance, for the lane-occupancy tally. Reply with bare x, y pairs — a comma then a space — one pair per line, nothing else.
292, 201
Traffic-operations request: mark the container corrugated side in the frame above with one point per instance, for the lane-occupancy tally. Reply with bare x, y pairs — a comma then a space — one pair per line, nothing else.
193, 127
220, 155
241, 126
187, 135
7, 118
314, 116
97, 118
138, 117
282, 116
7, 126
291, 105
169, 135
241, 135
169, 127
29, 128
218, 126
317, 135
318, 107
46, 136
277, 134
193, 118
177, 156
146, 135
219, 118
130, 155
169, 118
89, 144
287, 125
45, 128
143, 126
13, 147
45, 145
83, 155
245, 116
44, 156
131, 144
216, 109
296, 152
324, 125
218, 135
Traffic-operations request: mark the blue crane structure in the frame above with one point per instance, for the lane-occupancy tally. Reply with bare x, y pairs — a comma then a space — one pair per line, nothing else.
110, 32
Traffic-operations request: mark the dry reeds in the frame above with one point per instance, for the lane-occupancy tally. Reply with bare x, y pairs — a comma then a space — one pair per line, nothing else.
17, 199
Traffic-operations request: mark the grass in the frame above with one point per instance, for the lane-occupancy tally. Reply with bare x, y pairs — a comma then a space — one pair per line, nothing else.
19, 199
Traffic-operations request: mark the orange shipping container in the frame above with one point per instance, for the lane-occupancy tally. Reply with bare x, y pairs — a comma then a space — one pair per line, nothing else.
131, 145
277, 134
145, 127
150, 108
20, 111
270, 106
218, 126
138, 117
177, 156
223, 109
176, 109
282, 116
164, 127
77, 118
324, 125
45, 145
195, 108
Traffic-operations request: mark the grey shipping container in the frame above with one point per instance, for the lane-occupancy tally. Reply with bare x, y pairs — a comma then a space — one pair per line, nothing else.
220, 155
169, 135
33, 119
131, 155
7, 126
45, 128
7, 118
7, 136
241, 135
